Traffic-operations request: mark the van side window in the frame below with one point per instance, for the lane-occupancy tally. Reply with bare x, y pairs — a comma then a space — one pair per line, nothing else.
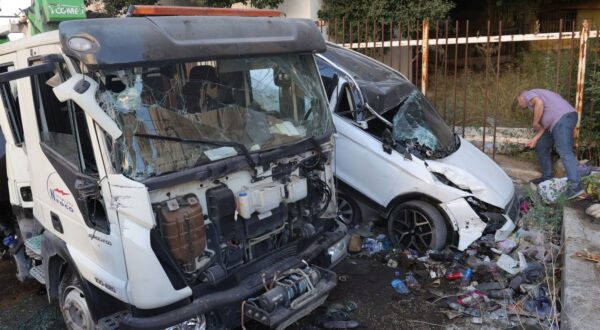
62, 125
10, 100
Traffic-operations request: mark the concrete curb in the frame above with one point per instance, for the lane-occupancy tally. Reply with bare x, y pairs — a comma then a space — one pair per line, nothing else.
580, 294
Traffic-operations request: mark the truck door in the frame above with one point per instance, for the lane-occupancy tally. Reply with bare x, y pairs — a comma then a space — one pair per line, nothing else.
67, 168
17, 166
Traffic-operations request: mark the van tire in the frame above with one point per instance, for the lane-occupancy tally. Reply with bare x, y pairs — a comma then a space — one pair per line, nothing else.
417, 225
73, 305
348, 210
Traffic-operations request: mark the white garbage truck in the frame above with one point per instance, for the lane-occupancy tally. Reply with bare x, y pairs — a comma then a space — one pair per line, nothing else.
172, 172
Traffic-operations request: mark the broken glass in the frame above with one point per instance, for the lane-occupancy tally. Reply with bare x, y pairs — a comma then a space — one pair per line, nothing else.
418, 125
260, 103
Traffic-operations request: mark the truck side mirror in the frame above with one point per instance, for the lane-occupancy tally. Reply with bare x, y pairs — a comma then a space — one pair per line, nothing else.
82, 90
388, 141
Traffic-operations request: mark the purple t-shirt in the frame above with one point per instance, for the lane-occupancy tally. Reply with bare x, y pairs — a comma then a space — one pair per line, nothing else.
554, 106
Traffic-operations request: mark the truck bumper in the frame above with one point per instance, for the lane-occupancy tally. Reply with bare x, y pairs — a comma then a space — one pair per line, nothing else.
249, 287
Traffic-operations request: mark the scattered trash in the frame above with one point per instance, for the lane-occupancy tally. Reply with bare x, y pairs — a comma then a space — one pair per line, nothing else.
343, 278
471, 299
374, 245
392, 263
399, 286
454, 276
412, 282
508, 264
593, 211
467, 276
534, 273
587, 255
551, 189
506, 246
464, 310
355, 244
476, 320
485, 287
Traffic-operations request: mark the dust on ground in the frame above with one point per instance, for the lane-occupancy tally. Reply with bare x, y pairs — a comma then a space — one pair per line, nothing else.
25, 305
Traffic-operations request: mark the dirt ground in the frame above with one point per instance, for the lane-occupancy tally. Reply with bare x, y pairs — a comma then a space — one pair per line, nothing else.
25, 305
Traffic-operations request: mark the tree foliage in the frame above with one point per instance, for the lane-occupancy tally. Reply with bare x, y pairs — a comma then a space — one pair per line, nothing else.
388, 10
116, 7
229, 3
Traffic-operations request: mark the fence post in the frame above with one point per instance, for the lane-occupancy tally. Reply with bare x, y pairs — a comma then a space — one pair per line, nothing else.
581, 76
425, 55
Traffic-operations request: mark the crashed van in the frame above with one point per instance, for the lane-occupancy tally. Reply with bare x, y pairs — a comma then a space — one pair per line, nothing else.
172, 172
396, 155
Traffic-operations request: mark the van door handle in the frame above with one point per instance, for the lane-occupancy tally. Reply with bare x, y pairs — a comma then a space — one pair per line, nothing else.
56, 223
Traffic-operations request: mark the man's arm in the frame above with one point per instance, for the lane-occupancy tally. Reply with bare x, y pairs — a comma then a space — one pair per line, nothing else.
534, 140
538, 111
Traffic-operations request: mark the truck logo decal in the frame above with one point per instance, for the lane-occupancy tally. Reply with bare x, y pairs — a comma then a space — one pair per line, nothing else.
58, 194
60, 191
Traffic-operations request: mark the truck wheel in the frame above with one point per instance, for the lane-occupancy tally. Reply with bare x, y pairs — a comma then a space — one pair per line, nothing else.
348, 210
72, 302
417, 225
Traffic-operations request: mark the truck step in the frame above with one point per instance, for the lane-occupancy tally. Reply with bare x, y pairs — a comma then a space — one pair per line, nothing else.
38, 273
33, 247
111, 322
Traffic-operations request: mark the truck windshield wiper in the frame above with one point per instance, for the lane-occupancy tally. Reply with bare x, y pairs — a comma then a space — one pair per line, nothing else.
237, 145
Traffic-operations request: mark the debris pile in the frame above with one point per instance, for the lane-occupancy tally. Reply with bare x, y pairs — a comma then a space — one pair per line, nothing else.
500, 284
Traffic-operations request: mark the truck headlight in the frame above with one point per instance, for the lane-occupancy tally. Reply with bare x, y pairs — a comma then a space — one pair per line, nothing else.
196, 323
338, 250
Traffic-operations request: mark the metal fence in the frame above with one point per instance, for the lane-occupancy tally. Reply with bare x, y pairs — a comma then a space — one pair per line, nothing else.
472, 74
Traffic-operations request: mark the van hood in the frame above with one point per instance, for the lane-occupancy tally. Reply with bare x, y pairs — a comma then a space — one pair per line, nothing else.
469, 168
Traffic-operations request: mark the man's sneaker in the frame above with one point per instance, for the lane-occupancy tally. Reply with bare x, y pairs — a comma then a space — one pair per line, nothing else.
572, 193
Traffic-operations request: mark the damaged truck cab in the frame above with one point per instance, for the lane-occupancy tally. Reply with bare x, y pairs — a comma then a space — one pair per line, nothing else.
172, 171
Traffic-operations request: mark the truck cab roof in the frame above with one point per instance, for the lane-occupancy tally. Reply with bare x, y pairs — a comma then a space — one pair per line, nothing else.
125, 42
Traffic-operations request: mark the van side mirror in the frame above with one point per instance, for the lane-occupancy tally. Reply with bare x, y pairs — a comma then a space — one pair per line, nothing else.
388, 141
87, 186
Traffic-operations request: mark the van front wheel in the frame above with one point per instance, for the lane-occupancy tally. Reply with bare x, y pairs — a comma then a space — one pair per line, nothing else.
417, 225
72, 302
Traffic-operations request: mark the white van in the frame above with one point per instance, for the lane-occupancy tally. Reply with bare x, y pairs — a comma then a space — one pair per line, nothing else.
395, 154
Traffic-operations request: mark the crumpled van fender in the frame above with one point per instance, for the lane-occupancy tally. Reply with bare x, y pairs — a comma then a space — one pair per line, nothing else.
469, 224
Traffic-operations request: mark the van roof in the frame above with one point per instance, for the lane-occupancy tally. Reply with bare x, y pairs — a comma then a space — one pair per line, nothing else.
125, 42
41, 39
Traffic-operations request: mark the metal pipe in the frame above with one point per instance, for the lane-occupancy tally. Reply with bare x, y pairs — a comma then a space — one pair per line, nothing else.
417, 54
486, 82
497, 89
399, 46
335, 30
409, 59
455, 76
343, 30
382, 39
366, 36
466, 79
435, 67
581, 77
558, 52
446, 74
391, 38
571, 61
424, 57
351, 40
373, 53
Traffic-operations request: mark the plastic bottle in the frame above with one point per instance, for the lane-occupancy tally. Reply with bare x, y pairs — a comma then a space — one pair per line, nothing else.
244, 205
412, 282
399, 286
467, 276
454, 276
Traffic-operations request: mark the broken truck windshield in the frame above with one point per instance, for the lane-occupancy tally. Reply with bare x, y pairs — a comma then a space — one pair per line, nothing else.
259, 103
417, 124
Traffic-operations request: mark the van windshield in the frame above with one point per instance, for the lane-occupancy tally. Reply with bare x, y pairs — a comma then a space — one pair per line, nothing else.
220, 108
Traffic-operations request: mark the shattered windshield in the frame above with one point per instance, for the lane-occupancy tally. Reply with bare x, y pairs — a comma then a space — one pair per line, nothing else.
182, 115
418, 125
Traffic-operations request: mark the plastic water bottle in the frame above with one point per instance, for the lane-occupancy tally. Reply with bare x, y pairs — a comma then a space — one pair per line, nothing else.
399, 286
467, 276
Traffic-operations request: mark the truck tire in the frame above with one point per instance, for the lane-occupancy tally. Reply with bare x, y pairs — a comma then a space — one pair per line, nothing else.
72, 302
417, 225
